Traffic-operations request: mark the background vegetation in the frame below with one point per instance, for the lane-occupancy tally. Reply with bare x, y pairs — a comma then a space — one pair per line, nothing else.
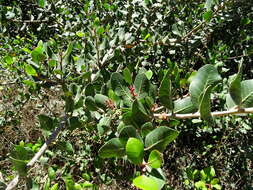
83, 61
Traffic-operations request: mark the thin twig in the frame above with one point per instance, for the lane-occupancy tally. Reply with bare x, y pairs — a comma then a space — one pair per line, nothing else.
197, 114
37, 156
29, 21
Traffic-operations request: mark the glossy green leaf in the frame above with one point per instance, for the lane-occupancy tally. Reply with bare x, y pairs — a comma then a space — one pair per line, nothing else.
200, 185
67, 55
127, 76
55, 187
126, 132
38, 53
74, 123
112, 148
184, 106
206, 76
41, 3
139, 113
101, 101
149, 74
208, 15
160, 137
119, 86
90, 103
46, 122
89, 90
135, 150
145, 183
205, 105
146, 128
246, 95
103, 125
235, 87
155, 159
165, 95
141, 84
30, 70
51, 173
160, 182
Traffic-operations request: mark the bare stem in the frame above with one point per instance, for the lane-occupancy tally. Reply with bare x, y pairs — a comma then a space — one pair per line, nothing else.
37, 156
197, 114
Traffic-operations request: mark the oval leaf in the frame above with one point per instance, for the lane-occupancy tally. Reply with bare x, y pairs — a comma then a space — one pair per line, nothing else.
135, 150
246, 95
141, 84
184, 106
145, 183
155, 159
101, 101
165, 91
127, 76
160, 137
206, 76
113, 148
205, 105
235, 87
139, 113
119, 86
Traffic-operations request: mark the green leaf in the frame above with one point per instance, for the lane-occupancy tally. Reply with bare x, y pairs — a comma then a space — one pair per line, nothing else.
55, 187
160, 182
141, 84
208, 15
119, 86
103, 125
90, 90
74, 123
30, 70
113, 148
38, 53
67, 55
160, 137
205, 105
126, 132
146, 128
139, 113
46, 122
200, 185
235, 87
149, 74
184, 106
165, 95
246, 95
127, 76
206, 76
135, 150
41, 3
145, 183
8, 59
69, 103
51, 173
155, 159
90, 103
217, 186
20, 166
101, 101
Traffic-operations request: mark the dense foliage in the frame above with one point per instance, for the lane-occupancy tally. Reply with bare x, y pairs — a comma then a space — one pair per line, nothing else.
133, 87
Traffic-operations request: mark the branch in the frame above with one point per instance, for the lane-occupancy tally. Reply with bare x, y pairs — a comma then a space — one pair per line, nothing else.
197, 114
37, 156
29, 21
